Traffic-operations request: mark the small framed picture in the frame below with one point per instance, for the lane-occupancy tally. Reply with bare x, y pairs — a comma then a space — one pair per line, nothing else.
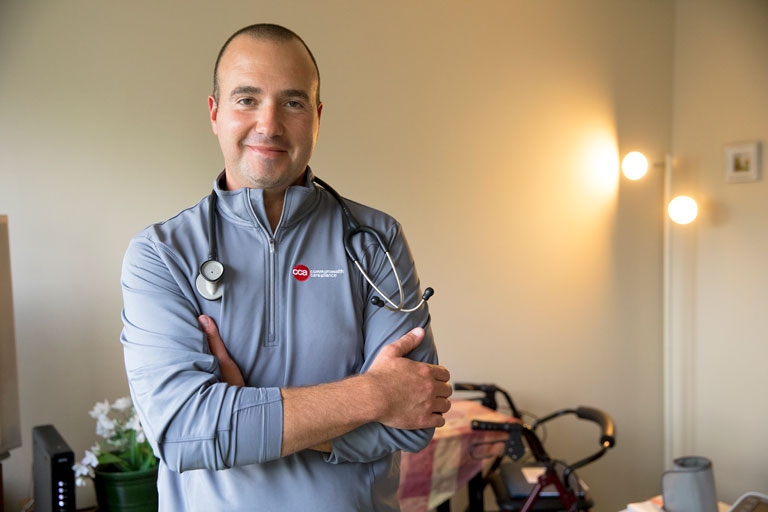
742, 162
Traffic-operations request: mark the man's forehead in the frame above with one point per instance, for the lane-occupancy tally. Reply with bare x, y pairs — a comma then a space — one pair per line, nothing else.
248, 57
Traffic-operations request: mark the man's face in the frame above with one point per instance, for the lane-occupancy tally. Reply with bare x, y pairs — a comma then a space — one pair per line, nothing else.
266, 118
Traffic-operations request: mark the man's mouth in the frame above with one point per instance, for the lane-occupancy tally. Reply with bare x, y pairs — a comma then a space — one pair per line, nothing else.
267, 150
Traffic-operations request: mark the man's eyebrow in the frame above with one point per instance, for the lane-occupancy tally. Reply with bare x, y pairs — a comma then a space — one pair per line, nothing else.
245, 89
287, 93
295, 93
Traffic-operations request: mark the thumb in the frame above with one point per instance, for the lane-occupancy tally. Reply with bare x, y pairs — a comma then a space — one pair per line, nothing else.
215, 343
408, 342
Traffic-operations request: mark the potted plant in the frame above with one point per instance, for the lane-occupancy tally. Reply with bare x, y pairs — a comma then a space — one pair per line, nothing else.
121, 463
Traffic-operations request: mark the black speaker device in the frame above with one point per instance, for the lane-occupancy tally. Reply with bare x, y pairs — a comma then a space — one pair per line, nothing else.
52, 467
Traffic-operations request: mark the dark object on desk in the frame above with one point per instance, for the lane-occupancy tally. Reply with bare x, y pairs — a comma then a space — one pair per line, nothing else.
520, 486
52, 467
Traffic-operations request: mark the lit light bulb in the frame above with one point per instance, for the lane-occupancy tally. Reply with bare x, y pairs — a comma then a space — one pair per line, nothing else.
634, 165
683, 209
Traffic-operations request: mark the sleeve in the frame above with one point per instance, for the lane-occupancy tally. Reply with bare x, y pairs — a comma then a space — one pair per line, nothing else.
373, 441
191, 418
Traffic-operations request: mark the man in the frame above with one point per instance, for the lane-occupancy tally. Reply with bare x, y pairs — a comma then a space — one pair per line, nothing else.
311, 400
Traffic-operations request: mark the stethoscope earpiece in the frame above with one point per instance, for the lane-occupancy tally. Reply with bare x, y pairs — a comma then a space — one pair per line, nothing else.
376, 301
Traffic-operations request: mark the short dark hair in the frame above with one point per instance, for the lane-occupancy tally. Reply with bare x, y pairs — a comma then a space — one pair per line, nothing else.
269, 32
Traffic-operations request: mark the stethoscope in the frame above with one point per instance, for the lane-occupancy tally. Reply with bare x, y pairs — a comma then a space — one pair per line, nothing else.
209, 280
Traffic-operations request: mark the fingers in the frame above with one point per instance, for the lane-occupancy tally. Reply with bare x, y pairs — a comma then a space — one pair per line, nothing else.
230, 372
440, 373
437, 421
441, 406
443, 390
407, 343
215, 343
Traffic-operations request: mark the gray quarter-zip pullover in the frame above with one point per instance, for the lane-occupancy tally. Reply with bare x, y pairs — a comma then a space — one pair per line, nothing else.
295, 312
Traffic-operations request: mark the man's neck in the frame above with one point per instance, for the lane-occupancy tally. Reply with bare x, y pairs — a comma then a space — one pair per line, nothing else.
273, 198
273, 204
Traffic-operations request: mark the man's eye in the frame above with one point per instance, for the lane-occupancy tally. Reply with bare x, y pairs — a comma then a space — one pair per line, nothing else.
246, 101
294, 104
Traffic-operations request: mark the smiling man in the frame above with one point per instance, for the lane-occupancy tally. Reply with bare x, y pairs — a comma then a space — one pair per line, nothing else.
288, 388
268, 118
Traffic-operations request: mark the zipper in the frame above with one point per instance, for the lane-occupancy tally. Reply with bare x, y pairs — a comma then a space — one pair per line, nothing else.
271, 336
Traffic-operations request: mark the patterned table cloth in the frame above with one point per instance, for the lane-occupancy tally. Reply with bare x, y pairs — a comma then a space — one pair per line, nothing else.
433, 475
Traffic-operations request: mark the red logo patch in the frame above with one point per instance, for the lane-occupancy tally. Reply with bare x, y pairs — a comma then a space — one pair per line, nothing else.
300, 272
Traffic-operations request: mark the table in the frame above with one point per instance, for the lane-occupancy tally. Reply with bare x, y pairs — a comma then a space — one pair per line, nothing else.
434, 474
656, 503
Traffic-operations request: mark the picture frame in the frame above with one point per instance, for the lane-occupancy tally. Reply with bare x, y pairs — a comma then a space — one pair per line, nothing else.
742, 162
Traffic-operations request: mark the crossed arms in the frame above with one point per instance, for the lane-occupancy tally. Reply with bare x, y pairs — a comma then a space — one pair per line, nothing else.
196, 419
395, 391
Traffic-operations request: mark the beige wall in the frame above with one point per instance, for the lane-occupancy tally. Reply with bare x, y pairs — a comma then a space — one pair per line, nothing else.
490, 129
721, 86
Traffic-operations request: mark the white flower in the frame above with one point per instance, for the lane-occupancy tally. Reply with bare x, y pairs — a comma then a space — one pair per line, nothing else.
100, 409
90, 459
122, 404
81, 472
134, 424
105, 427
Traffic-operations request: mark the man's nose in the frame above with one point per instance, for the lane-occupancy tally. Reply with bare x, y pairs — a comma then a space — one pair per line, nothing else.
269, 122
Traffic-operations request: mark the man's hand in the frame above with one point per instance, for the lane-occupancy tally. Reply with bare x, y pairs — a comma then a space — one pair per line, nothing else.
229, 370
406, 394
414, 395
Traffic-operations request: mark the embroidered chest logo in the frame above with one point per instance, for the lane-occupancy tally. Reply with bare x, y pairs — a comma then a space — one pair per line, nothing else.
302, 273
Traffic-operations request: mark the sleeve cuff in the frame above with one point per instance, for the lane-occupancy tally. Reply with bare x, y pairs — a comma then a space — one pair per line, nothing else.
259, 425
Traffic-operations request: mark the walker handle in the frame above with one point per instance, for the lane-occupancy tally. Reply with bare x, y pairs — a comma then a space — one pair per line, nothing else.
607, 437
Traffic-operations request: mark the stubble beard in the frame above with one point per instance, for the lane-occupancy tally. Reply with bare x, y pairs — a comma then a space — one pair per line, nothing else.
267, 175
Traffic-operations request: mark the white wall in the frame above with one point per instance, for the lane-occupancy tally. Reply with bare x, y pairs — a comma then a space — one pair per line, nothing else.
721, 86
491, 130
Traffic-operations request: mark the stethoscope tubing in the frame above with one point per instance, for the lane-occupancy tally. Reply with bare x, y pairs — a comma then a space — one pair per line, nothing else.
353, 228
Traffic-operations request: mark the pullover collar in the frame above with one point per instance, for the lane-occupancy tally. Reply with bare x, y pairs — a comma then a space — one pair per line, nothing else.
245, 206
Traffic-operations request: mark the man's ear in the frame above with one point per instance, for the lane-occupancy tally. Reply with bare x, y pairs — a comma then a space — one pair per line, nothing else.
319, 111
213, 109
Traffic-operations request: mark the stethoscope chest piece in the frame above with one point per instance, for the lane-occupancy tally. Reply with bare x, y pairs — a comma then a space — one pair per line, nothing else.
208, 281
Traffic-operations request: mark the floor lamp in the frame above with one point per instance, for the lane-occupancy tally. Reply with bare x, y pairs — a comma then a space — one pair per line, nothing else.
681, 210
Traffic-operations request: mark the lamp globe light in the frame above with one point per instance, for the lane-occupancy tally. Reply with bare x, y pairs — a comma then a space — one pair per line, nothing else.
683, 209
634, 166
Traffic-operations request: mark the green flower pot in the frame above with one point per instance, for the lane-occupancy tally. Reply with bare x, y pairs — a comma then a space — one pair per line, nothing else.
134, 491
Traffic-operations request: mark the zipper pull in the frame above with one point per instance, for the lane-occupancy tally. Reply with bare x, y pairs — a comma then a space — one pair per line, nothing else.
271, 245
